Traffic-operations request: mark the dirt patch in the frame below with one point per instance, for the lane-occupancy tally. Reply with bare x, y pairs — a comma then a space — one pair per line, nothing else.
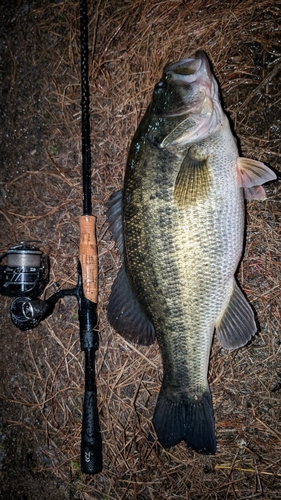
41, 370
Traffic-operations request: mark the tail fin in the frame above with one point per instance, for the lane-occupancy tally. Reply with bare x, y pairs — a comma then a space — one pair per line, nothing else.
190, 420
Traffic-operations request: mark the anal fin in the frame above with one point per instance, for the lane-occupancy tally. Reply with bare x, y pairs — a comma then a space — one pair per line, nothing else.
125, 313
237, 324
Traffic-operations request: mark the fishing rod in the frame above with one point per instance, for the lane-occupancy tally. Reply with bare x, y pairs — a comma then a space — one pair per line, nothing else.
26, 274
91, 446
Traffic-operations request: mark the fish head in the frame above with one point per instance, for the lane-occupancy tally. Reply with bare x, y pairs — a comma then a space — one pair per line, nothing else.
186, 102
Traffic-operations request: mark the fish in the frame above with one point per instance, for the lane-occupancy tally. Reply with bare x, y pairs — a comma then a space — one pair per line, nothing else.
179, 225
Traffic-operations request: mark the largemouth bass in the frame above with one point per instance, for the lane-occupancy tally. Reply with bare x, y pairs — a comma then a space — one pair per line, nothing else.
179, 227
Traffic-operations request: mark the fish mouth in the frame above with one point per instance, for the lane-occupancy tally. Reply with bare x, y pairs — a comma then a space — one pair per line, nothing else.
197, 100
190, 70
184, 70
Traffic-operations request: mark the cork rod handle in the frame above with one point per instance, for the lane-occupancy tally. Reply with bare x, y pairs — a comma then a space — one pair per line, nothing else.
88, 256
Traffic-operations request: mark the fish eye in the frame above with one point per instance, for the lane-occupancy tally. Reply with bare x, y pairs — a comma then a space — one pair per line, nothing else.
159, 86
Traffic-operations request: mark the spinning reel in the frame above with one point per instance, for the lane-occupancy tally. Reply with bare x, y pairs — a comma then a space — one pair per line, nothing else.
24, 276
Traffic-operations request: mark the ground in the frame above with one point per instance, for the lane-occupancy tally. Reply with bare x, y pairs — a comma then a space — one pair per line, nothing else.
41, 370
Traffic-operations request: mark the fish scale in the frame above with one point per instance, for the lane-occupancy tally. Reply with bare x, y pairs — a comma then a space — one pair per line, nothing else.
179, 226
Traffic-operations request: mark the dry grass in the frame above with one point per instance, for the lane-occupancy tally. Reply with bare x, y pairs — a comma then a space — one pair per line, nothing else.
130, 42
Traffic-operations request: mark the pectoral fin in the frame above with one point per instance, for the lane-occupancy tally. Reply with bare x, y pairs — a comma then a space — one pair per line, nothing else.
251, 175
237, 325
192, 182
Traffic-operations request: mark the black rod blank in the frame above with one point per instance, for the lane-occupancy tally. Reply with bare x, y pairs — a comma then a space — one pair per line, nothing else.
85, 104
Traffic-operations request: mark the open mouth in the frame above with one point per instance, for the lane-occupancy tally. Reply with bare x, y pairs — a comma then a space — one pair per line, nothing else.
190, 70
186, 71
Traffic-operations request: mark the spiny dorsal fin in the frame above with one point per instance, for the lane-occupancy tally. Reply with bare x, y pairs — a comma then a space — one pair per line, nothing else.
251, 175
193, 179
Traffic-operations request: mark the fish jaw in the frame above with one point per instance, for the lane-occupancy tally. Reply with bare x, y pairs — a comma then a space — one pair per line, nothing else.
194, 70
199, 101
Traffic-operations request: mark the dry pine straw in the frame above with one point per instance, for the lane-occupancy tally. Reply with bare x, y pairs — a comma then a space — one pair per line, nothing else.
130, 42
